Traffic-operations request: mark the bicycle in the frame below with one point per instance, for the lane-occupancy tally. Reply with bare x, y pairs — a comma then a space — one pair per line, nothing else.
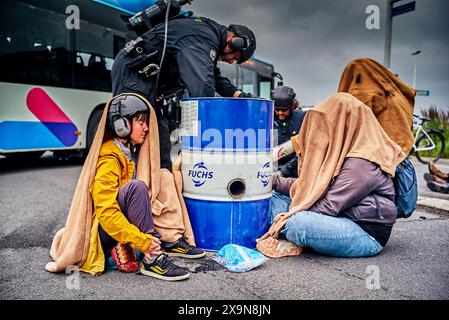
426, 143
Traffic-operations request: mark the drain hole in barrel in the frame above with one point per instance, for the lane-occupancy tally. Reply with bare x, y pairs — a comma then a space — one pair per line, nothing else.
236, 188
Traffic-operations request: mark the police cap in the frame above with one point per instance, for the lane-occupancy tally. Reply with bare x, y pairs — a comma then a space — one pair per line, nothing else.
283, 97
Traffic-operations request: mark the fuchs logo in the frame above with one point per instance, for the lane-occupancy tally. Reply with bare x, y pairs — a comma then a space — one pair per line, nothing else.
200, 174
264, 175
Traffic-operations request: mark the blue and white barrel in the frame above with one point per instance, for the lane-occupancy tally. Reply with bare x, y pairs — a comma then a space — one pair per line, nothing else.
227, 169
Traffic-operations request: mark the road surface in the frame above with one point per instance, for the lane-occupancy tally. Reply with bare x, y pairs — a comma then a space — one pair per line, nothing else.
35, 199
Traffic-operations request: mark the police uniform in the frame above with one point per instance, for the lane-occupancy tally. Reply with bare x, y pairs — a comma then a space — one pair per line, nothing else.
284, 99
190, 62
288, 128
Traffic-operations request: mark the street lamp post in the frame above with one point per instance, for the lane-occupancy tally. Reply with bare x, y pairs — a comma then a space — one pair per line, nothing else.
414, 68
388, 32
391, 12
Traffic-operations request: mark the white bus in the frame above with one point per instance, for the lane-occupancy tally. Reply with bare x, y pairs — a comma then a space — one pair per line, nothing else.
56, 79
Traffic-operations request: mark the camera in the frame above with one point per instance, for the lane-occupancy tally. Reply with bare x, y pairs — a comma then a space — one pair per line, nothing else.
154, 15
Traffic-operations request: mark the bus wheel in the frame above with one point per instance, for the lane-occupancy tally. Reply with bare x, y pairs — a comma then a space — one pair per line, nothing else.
24, 156
92, 126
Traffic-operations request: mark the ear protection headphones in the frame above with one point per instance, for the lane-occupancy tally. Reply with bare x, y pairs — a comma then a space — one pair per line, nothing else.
243, 40
239, 43
120, 124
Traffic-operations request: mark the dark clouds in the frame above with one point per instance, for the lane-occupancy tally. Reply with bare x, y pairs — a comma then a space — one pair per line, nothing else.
310, 42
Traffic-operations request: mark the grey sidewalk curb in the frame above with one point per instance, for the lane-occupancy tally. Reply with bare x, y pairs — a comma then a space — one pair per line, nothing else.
440, 205
444, 162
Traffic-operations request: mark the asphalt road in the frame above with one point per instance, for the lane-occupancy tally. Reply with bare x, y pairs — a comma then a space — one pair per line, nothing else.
421, 169
35, 199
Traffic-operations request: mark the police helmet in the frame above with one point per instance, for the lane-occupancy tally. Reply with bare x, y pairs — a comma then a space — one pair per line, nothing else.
121, 110
245, 42
283, 97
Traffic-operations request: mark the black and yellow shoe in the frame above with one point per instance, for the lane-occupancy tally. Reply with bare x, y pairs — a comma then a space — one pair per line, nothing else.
182, 249
163, 269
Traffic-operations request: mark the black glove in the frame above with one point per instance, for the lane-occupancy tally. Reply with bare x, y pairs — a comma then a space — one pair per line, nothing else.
245, 95
290, 169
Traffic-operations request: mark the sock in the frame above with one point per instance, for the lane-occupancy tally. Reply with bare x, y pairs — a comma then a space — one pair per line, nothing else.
170, 244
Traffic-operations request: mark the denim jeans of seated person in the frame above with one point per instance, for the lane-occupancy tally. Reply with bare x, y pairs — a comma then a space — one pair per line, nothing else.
333, 236
279, 203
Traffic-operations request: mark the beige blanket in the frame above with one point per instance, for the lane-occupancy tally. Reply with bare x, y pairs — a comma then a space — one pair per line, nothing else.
71, 244
391, 100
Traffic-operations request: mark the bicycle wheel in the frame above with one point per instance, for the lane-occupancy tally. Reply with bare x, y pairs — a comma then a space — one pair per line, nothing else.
424, 142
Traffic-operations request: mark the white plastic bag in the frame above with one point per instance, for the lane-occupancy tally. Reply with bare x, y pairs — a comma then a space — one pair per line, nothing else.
236, 258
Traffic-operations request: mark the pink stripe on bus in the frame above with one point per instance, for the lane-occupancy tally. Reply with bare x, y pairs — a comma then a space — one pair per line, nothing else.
44, 108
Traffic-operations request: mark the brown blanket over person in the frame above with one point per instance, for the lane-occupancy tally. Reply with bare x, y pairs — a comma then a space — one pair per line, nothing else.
337, 128
391, 100
78, 242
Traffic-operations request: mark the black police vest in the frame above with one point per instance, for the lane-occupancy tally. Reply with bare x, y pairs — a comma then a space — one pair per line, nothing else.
289, 127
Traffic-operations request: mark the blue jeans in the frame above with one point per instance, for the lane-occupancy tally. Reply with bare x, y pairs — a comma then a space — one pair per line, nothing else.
333, 236
279, 203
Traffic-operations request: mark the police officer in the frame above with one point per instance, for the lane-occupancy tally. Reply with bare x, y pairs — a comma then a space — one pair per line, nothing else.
189, 52
287, 120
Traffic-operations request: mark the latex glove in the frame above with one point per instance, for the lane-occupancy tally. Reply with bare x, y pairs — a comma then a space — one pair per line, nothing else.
275, 178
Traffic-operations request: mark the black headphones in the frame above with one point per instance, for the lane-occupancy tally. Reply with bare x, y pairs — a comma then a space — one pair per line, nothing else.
239, 43
120, 124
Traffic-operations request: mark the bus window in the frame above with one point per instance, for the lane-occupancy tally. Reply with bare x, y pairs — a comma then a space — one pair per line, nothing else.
248, 81
35, 50
94, 51
42, 61
229, 71
265, 89
240, 77
119, 43
254, 76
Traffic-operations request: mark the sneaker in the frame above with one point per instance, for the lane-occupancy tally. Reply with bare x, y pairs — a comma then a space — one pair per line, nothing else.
163, 269
435, 186
275, 248
125, 258
181, 248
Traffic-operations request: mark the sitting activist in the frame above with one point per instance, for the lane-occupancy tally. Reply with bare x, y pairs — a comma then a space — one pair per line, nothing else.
124, 201
343, 203
391, 100
118, 196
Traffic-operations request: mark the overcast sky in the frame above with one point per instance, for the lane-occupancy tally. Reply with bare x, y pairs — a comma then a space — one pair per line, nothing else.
310, 42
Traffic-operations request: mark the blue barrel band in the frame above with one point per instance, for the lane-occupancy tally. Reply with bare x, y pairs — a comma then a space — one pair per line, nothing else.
216, 224
232, 124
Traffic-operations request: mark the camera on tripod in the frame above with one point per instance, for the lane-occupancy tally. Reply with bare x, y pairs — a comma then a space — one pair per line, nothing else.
154, 15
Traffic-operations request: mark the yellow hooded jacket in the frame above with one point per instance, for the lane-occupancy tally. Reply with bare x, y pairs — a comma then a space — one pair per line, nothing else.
113, 171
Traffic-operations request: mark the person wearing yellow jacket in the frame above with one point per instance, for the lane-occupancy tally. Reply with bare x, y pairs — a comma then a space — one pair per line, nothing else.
122, 203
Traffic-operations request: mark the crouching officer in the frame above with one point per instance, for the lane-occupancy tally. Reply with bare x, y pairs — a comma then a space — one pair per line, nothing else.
189, 51
287, 120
